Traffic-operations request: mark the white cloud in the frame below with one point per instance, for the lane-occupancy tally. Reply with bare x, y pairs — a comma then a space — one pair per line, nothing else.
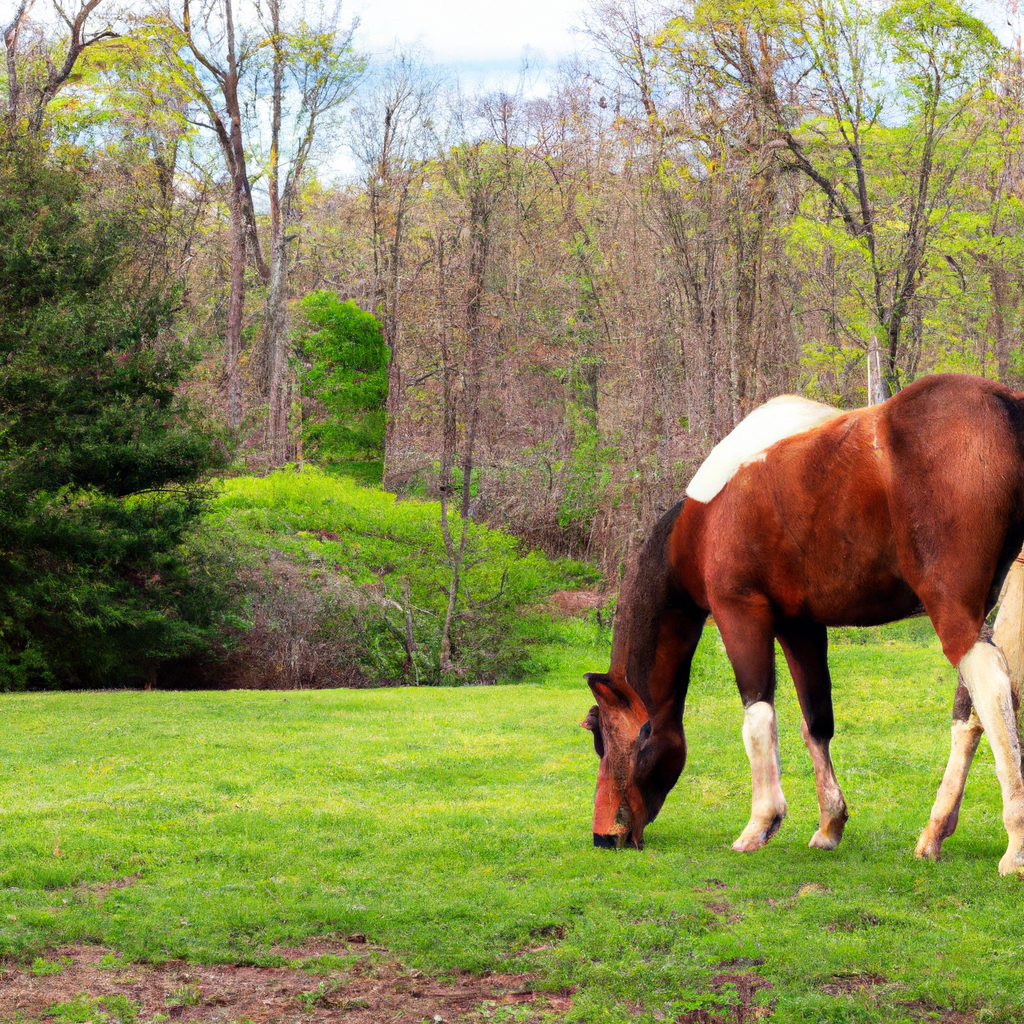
485, 41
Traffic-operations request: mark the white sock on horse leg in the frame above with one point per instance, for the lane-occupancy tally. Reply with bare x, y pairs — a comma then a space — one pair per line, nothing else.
768, 804
946, 810
984, 672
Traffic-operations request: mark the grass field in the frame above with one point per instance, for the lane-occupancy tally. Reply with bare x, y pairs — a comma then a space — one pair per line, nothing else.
452, 826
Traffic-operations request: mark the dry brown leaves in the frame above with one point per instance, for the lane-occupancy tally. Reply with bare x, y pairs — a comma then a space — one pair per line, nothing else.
373, 988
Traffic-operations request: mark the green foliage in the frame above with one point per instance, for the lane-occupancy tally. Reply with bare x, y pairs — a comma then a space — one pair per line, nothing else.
453, 828
41, 967
344, 366
369, 559
83, 1009
99, 457
940, 48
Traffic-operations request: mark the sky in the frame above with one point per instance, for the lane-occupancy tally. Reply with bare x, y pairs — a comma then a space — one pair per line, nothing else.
483, 41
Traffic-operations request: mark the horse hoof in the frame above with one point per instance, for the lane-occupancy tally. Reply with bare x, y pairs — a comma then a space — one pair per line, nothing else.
929, 847
750, 844
823, 841
1012, 863
753, 837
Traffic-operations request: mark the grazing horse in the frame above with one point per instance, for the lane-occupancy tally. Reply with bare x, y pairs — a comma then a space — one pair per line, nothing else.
807, 517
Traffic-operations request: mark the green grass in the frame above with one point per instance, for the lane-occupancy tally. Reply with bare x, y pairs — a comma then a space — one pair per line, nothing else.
452, 825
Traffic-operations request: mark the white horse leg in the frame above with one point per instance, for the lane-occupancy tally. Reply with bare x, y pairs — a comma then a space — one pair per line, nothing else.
1008, 635
768, 804
832, 813
946, 809
985, 674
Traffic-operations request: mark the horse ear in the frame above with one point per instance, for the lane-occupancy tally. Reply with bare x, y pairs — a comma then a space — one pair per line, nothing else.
593, 723
614, 695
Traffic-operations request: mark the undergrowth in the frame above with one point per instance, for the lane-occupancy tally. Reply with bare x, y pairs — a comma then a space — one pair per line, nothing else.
347, 584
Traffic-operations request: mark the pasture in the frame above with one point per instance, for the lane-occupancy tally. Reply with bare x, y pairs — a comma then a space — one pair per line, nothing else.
451, 826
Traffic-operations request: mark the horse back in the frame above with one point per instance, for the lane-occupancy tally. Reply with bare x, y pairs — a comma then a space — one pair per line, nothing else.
874, 514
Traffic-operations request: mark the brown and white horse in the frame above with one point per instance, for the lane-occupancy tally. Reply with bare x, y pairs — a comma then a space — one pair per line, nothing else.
807, 517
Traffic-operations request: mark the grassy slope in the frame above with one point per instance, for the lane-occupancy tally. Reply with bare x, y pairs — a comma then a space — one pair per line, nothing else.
453, 826
333, 529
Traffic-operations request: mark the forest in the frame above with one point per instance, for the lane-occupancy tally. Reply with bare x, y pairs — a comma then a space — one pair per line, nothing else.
533, 312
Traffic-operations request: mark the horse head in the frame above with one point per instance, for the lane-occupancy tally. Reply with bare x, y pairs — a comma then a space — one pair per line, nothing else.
638, 765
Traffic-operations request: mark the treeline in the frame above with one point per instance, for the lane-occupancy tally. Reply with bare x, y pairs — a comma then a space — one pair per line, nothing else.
542, 311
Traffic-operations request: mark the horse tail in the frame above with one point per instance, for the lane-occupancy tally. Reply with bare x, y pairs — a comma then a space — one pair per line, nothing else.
1008, 632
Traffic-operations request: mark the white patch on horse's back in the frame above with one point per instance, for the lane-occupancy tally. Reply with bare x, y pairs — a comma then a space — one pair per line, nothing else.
774, 421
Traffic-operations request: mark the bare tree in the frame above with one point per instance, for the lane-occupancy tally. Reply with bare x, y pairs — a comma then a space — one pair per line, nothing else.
476, 182
391, 138
224, 55
36, 75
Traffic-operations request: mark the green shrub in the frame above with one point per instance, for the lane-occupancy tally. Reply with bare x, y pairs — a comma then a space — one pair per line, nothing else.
344, 367
367, 561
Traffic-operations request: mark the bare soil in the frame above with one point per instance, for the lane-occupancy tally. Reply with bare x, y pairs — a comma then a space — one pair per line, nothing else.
746, 985
371, 988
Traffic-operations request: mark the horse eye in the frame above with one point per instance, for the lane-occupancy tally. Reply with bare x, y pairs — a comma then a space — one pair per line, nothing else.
645, 732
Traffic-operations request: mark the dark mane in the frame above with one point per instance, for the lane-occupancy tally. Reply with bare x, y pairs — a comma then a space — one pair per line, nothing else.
644, 598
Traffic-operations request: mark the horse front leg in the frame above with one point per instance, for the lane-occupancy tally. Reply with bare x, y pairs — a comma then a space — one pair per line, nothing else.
805, 645
768, 803
966, 734
750, 643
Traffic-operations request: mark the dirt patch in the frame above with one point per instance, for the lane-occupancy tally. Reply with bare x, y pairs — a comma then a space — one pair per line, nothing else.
723, 908
325, 980
846, 984
742, 1009
566, 603
926, 1010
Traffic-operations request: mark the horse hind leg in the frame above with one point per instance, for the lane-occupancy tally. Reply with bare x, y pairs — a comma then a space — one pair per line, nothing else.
986, 676
805, 645
967, 730
1008, 632
966, 734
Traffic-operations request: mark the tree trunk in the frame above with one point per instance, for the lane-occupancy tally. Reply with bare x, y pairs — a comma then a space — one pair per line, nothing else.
276, 322
278, 353
236, 309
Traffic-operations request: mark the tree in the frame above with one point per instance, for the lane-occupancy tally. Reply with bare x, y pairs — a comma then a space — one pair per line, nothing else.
312, 72
37, 72
223, 56
101, 461
823, 78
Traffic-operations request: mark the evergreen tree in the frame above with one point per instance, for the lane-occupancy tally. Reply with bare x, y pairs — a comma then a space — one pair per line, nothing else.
101, 461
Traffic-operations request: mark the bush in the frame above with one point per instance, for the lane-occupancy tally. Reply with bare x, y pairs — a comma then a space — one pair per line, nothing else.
344, 368
340, 572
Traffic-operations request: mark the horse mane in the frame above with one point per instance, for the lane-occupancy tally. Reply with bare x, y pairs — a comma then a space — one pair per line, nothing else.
642, 601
